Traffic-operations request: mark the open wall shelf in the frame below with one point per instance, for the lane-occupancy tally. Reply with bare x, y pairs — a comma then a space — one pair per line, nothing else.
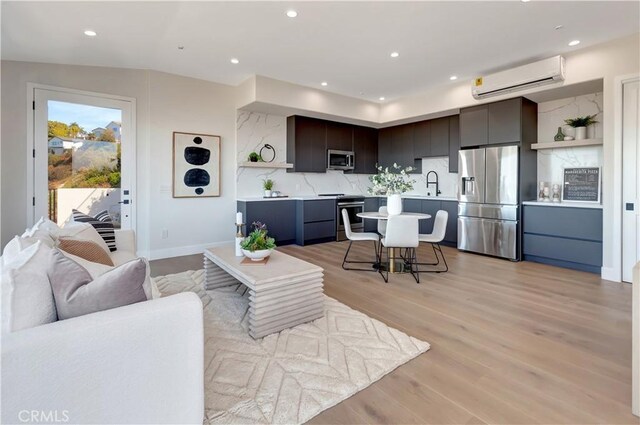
265, 165
567, 144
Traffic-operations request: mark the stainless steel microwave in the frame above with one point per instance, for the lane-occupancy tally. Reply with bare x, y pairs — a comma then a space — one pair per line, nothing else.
340, 160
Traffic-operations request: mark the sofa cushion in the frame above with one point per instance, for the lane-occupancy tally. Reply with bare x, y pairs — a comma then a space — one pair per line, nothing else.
27, 299
88, 250
76, 293
83, 231
45, 230
102, 223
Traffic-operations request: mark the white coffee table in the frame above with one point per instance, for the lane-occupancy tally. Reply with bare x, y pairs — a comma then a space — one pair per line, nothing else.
284, 292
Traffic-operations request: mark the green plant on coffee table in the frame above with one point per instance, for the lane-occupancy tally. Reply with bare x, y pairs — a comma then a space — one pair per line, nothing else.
581, 121
258, 239
267, 184
254, 157
393, 182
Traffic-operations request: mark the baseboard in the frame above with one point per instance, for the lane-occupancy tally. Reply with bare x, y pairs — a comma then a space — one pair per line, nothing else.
157, 254
609, 273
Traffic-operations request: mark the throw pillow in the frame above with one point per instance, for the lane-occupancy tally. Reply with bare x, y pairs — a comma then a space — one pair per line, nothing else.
88, 250
76, 293
102, 223
83, 231
27, 300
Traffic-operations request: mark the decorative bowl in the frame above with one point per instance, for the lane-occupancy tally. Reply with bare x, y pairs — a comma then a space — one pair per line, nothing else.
257, 255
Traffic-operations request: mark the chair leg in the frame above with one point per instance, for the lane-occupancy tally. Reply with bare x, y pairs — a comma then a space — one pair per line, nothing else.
414, 262
436, 249
372, 264
385, 277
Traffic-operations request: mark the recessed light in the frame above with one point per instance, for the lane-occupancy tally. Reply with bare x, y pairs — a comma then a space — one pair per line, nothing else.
292, 13
235, 61
395, 54
324, 84
90, 33
574, 43
381, 98
524, 1
453, 77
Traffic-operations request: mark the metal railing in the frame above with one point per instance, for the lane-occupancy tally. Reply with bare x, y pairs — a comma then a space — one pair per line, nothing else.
53, 205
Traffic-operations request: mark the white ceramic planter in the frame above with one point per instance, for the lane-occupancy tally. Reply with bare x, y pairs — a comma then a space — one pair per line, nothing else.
257, 255
581, 133
394, 204
267, 193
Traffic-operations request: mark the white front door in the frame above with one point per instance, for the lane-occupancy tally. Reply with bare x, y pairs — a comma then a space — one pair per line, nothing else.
83, 155
630, 178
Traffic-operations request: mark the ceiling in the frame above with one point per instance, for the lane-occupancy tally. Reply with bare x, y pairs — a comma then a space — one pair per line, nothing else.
347, 44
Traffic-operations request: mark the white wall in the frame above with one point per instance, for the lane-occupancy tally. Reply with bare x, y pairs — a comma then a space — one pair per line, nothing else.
165, 103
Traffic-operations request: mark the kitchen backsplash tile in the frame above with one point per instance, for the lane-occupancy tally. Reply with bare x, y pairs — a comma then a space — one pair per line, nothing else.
551, 115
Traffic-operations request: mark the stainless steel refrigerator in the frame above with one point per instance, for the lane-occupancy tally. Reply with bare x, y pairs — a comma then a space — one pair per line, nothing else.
488, 216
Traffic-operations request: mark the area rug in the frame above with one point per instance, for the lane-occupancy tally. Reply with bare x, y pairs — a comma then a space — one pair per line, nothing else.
291, 376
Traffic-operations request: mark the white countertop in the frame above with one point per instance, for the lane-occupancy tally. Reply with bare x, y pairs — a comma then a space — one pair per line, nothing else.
316, 197
564, 204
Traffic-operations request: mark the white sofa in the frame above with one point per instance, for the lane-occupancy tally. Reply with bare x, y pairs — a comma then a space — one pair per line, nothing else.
142, 364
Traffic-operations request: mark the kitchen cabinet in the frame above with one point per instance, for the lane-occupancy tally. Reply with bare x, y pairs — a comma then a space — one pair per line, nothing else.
422, 139
365, 147
451, 236
371, 204
454, 142
432, 206
504, 121
306, 144
278, 215
315, 221
474, 126
439, 145
429, 207
563, 236
339, 136
386, 150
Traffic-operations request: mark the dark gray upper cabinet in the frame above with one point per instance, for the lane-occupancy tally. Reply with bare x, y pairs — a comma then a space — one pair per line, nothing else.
422, 139
474, 126
365, 147
439, 137
403, 140
454, 142
505, 121
385, 147
339, 136
306, 144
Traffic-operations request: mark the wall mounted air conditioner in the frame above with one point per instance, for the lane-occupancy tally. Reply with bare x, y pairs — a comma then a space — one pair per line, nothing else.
547, 71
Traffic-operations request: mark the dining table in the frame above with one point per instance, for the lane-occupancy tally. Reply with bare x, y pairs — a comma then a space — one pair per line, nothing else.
377, 215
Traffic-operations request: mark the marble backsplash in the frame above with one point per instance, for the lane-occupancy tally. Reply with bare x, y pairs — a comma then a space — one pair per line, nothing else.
551, 115
255, 129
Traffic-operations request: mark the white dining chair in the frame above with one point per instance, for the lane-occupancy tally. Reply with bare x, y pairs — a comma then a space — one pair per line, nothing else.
434, 238
382, 224
358, 236
401, 233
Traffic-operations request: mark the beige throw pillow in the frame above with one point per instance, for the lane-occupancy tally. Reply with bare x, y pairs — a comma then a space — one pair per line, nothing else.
88, 250
76, 293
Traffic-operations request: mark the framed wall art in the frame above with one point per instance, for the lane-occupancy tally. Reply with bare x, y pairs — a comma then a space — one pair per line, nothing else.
196, 165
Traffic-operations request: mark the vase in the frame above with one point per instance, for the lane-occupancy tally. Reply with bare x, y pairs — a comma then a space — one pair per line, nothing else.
581, 133
394, 204
257, 255
559, 135
267, 193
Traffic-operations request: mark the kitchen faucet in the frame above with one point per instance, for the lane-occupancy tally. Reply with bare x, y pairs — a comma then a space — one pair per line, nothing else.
433, 182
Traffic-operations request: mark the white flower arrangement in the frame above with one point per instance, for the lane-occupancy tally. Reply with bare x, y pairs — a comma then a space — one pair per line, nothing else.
391, 182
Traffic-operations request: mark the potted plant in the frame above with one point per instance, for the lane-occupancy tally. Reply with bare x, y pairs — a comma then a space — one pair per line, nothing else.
580, 124
257, 245
267, 185
392, 184
254, 157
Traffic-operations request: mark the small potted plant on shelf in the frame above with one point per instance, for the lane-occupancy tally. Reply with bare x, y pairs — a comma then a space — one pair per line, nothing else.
254, 157
580, 124
258, 245
267, 184
392, 184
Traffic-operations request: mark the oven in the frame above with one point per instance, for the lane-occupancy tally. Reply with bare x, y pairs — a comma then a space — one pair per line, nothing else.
354, 206
340, 160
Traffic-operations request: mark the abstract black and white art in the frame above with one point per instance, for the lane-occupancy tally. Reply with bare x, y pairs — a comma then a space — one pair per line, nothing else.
196, 165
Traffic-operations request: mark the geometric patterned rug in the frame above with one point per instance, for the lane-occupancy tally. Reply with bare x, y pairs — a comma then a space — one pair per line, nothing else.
290, 376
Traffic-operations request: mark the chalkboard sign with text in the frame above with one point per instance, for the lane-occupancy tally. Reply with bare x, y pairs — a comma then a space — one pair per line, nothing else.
581, 184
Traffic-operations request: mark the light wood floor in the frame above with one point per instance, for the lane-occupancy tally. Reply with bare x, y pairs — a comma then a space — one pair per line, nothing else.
511, 343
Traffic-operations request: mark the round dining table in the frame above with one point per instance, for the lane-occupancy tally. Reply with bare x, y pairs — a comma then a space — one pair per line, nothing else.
376, 215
